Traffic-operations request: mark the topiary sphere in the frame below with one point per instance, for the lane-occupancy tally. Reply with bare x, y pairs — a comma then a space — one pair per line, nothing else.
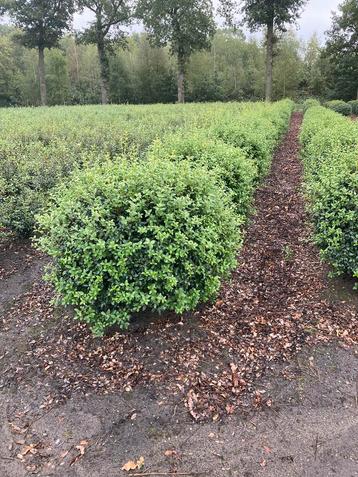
132, 236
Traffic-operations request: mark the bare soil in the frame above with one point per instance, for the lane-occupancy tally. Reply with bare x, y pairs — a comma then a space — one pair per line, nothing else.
262, 382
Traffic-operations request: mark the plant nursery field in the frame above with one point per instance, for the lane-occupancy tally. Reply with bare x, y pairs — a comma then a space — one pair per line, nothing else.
178, 290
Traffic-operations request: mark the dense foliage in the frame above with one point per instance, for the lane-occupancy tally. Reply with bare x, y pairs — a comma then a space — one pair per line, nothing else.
256, 134
158, 232
232, 70
310, 103
354, 106
129, 237
330, 146
339, 106
231, 164
341, 52
27, 173
40, 148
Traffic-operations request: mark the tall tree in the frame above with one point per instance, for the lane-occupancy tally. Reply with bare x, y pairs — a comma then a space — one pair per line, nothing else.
313, 79
342, 51
9, 70
105, 30
288, 68
57, 77
273, 15
42, 23
185, 25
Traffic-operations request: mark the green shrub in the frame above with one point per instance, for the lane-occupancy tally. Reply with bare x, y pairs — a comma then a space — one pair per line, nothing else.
335, 213
310, 103
40, 148
354, 106
257, 131
330, 145
238, 173
28, 172
129, 237
340, 107
316, 119
250, 138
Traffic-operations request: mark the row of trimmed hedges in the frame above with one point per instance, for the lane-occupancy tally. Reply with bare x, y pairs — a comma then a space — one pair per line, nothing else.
41, 147
341, 107
159, 234
310, 103
354, 106
330, 154
337, 105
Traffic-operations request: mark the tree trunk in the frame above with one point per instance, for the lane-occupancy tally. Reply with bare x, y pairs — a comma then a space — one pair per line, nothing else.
103, 61
42, 77
269, 61
181, 79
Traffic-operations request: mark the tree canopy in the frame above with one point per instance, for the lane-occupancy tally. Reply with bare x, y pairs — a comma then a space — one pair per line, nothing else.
185, 25
342, 52
110, 16
273, 15
42, 24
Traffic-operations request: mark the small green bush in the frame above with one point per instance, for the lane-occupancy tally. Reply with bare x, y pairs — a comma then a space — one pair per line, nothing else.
231, 164
330, 145
354, 106
340, 107
335, 213
257, 131
27, 173
310, 103
251, 138
135, 236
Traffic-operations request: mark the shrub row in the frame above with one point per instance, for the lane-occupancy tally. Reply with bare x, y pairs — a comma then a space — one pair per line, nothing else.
41, 147
159, 234
354, 106
340, 107
330, 153
310, 103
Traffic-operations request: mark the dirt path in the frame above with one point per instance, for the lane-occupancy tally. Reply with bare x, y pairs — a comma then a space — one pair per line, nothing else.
278, 396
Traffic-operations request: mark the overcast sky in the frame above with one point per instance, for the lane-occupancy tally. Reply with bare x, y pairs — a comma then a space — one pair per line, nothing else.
316, 18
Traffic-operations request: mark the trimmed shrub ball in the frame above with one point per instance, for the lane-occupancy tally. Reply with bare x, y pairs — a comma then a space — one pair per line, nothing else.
310, 103
354, 106
132, 236
233, 167
340, 107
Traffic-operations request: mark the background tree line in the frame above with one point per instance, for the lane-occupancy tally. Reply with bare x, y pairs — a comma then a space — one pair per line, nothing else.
180, 55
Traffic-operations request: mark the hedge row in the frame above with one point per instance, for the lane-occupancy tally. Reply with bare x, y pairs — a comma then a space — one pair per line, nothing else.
310, 103
354, 106
39, 148
341, 107
330, 153
159, 234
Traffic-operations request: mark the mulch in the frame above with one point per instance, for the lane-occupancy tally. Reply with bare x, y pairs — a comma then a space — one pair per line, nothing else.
211, 360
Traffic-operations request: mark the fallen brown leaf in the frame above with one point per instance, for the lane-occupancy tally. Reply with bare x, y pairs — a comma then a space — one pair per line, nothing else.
132, 465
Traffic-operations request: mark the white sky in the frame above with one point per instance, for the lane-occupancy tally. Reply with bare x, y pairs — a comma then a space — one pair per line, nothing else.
316, 18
